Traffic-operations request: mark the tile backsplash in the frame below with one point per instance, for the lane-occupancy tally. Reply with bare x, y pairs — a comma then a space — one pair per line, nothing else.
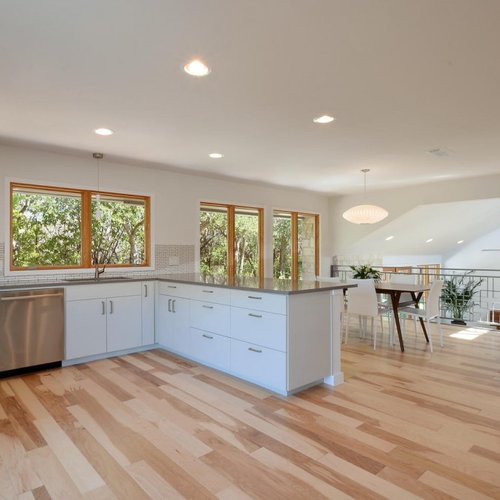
169, 259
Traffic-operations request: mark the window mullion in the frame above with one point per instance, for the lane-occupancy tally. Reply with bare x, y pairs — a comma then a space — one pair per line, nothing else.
231, 248
295, 246
86, 229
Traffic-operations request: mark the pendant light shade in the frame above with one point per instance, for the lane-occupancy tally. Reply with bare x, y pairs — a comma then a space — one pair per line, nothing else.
365, 214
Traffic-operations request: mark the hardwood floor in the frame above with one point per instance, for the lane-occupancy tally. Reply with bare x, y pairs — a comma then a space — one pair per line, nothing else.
153, 426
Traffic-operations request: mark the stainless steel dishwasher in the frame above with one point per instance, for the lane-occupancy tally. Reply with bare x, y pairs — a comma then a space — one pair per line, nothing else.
31, 328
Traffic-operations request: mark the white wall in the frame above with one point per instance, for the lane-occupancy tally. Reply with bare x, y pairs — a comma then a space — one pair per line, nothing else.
398, 201
176, 196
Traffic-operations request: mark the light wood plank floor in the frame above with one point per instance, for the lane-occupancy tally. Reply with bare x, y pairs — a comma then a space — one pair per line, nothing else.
149, 425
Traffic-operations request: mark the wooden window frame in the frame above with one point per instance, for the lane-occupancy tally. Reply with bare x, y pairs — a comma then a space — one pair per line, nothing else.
295, 241
86, 225
231, 241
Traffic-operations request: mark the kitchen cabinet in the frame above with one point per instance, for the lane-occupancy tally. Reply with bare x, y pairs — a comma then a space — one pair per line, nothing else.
148, 289
85, 328
102, 318
173, 323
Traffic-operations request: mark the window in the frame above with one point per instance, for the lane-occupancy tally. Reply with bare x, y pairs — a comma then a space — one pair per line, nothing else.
231, 240
295, 245
58, 228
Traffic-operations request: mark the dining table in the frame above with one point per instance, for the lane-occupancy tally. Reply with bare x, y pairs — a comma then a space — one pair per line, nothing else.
395, 291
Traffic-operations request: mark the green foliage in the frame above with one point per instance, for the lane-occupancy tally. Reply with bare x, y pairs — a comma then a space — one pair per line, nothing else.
118, 235
46, 230
213, 243
282, 247
457, 295
365, 272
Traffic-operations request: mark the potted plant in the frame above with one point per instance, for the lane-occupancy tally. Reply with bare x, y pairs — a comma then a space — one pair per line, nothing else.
365, 272
457, 296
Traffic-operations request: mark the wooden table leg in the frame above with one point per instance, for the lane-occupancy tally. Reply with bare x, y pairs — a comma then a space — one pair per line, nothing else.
417, 298
395, 296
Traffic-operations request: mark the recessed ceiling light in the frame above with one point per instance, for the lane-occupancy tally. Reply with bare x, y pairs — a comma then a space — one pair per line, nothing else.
103, 131
429, 240
389, 238
196, 68
323, 119
459, 242
216, 155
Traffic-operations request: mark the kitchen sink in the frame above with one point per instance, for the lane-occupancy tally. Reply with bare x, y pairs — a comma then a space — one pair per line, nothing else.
105, 278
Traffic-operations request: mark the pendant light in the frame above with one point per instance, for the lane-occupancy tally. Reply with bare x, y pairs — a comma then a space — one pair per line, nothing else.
365, 214
98, 157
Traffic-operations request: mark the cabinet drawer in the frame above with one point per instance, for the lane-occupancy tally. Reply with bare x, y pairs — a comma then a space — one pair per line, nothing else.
97, 291
211, 294
259, 327
210, 317
259, 365
210, 348
270, 302
175, 289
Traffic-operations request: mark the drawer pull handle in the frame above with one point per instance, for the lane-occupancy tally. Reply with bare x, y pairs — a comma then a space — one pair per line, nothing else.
207, 291
208, 307
254, 350
254, 297
169, 303
173, 305
171, 286
207, 336
255, 315
103, 307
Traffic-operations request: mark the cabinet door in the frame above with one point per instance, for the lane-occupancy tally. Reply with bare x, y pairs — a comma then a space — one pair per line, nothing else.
165, 326
148, 313
124, 323
180, 327
85, 328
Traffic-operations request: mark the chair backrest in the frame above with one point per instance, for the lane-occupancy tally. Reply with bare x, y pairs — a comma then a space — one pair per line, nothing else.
404, 279
432, 306
362, 299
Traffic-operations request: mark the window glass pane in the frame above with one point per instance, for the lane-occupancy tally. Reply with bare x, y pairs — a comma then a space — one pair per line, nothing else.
46, 228
213, 240
246, 245
282, 245
307, 246
118, 230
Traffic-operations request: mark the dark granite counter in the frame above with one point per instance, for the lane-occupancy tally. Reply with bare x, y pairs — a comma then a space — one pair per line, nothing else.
268, 285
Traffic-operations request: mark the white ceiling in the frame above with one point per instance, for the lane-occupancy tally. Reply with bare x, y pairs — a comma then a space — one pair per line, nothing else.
445, 223
400, 76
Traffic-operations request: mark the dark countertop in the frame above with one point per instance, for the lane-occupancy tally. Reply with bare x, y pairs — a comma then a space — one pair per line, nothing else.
268, 285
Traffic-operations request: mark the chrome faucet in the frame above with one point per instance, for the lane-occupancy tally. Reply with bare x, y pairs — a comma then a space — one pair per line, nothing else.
98, 272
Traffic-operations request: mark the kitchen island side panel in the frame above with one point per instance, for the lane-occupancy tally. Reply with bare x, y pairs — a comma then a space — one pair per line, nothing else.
309, 339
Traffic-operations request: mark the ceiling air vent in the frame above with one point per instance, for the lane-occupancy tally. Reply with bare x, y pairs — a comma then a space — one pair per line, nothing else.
440, 152
490, 250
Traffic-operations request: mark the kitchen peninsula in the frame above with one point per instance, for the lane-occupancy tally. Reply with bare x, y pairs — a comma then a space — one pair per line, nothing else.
279, 334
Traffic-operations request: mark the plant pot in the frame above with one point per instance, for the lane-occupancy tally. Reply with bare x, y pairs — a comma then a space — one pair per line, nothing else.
458, 322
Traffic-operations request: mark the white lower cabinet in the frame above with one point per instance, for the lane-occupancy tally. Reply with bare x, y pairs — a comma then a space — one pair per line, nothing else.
210, 348
173, 323
259, 364
85, 328
102, 318
148, 312
124, 323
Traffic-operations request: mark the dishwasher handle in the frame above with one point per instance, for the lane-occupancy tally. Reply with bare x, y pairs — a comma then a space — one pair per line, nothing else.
29, 297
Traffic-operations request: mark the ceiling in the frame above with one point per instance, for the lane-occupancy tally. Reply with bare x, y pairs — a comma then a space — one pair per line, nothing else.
445, 223
401, 77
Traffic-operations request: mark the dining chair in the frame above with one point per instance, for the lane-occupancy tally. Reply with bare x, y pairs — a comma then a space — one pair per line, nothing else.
362, 301
430, 311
